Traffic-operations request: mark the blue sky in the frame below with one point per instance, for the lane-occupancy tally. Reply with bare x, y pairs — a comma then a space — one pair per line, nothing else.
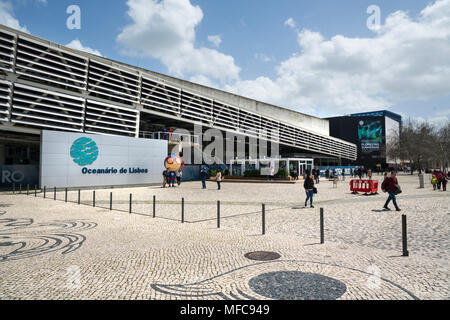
323, 63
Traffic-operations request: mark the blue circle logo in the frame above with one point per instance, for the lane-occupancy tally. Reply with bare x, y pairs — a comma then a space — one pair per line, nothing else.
84, 151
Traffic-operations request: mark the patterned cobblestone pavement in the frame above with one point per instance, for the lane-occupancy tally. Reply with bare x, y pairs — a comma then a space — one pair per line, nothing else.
56, 250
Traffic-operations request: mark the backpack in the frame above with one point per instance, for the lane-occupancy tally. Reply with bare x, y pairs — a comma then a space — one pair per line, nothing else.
398, 190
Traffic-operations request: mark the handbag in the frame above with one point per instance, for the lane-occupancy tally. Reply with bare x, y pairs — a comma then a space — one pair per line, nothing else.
314, 190
398, 190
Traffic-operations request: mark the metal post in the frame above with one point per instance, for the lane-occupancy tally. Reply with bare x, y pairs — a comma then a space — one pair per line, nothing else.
54, 193
35, 191
14, 188
404, 237
131, 199
154, 206
263, 218
28, 189
65, 195
20, 186
79, 196
93, 198
110, 201
218, 214
322, 237
45, 190
182, 210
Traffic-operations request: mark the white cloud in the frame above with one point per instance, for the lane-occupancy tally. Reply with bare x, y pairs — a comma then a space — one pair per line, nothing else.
291, 23
77, 45
406, 59
165, 30
215, 40
7, 17
263, 57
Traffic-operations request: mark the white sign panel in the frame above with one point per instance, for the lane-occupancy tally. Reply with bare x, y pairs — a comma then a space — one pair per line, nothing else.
87, 160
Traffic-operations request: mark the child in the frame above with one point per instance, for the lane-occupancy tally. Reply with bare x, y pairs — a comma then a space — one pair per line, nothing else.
434, 182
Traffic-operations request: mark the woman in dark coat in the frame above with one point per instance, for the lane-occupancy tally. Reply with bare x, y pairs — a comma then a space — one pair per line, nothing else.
309, 189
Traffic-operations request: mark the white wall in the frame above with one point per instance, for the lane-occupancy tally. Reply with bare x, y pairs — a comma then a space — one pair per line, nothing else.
59, 170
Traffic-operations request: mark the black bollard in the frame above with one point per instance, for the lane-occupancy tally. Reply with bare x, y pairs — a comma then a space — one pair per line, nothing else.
14, 188
45, 190
110, 201
54, 193
28, 189
322, 237
65, 195
93, 198
35, 191
154, 206
182, 210
79, 196
218, 214
20, 190
263, 218
404, 237
131, 200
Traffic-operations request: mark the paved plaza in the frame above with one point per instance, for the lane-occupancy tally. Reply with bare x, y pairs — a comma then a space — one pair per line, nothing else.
57, 250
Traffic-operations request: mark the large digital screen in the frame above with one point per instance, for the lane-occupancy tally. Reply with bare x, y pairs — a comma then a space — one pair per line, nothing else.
370, 135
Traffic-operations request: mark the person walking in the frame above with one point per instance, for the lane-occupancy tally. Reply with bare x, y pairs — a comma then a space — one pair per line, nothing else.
203, 177
179, 176
439, 180
369, 174
390, 185
316, 174
309, 189
360, 173
218, 178
444, 181
434, 181
164, 178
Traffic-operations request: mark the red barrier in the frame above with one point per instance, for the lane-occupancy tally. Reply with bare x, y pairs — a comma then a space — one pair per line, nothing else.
366, 186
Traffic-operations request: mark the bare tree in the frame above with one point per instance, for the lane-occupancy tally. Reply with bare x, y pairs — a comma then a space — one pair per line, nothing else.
422, 144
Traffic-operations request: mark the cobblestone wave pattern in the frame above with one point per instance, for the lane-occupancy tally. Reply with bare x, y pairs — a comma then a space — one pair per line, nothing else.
22, 238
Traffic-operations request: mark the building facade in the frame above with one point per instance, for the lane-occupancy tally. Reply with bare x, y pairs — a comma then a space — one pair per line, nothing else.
46, 86
371, 132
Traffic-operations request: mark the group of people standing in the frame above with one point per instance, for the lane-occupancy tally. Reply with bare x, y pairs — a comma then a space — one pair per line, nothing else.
204, 176
438, 179
169, 177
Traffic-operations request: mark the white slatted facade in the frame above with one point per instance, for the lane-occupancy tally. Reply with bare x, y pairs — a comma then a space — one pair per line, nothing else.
5, 99
38, 108
7, 41
57, 88
113, 84
107, 118
50, 66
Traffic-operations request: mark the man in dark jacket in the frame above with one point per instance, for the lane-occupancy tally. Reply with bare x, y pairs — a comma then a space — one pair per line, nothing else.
389, 185
316, 174
203, 178
309, 189
164, 177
